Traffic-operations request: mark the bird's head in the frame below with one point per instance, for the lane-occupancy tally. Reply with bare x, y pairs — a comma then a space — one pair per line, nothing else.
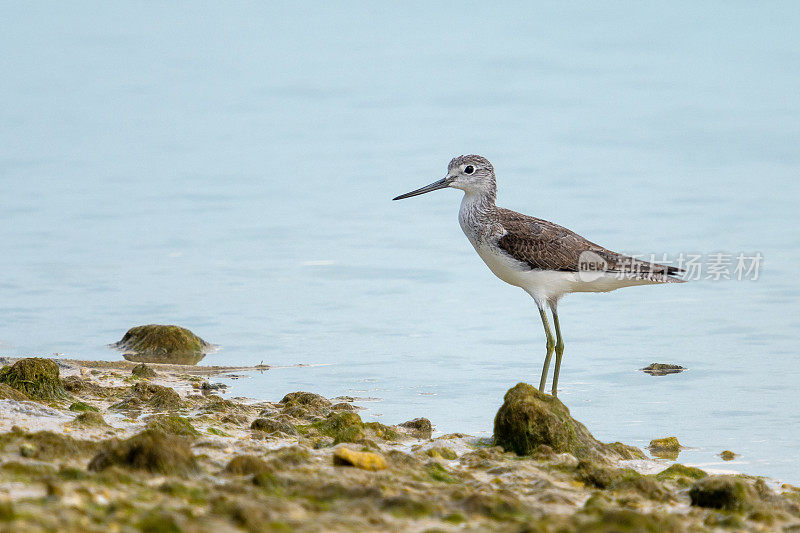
473, 174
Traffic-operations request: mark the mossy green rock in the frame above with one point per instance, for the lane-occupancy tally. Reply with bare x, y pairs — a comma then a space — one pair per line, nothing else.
156, 343
143, 371
528, 419
678, 471
343, 427
723, 492
151, 451
89, 419
148, 395
82, 407
35, 377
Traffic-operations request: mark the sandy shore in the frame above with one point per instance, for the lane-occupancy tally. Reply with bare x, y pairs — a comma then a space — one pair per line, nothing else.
115, 446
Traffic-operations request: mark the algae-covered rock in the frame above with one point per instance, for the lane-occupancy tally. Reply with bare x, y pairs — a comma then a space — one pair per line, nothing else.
665, 448
156, 343
242, 465
273, 425
35, 377
677, 471
529, 418
81, 407
341, 426
172, 425
89, 419
151, 451
420, 428
382, 431
728, 455
723, 492
305, 405
143, 371
363, 460
148, 395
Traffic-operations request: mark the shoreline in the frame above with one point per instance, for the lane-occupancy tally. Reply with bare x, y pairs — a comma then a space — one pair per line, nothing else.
310, 463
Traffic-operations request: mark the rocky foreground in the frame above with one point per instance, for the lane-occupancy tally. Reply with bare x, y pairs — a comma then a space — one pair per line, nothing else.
92, 446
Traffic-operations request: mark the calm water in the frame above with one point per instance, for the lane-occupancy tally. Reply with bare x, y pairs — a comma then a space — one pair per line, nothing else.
230, 170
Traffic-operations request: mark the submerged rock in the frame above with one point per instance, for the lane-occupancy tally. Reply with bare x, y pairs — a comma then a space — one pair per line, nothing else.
35, 377
662, 369
363, 460
723, 492
150, 450
156, 343
529, 419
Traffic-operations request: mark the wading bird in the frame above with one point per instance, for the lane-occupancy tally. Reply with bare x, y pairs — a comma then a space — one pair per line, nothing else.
544, 259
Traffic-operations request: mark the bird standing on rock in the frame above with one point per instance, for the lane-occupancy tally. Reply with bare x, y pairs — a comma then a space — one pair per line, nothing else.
544, 259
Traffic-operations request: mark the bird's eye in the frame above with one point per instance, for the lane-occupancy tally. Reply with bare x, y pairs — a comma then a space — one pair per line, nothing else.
469, 169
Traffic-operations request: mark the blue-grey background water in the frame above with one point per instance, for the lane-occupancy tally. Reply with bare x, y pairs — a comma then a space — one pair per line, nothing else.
229, 168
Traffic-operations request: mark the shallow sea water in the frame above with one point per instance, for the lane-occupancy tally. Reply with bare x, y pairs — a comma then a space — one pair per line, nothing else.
230, 170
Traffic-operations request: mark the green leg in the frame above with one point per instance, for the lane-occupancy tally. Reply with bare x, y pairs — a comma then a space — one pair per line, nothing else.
559, 350
550, 345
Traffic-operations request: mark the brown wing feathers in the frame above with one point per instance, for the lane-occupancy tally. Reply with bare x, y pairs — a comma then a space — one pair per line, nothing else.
547, 246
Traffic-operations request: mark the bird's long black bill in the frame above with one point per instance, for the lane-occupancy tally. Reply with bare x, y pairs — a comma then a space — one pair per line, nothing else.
441, 184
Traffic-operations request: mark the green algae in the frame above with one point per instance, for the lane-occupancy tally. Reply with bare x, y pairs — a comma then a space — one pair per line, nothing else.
89, 419
143, 371
151, 451
156, 343
529, 418
441, 452
35, 377
341, 426
172, 425
439, 473
728, 455
723, 492
678, 471
665, 448
144, 395
81, 407
10, 393
382, 431
217, 432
